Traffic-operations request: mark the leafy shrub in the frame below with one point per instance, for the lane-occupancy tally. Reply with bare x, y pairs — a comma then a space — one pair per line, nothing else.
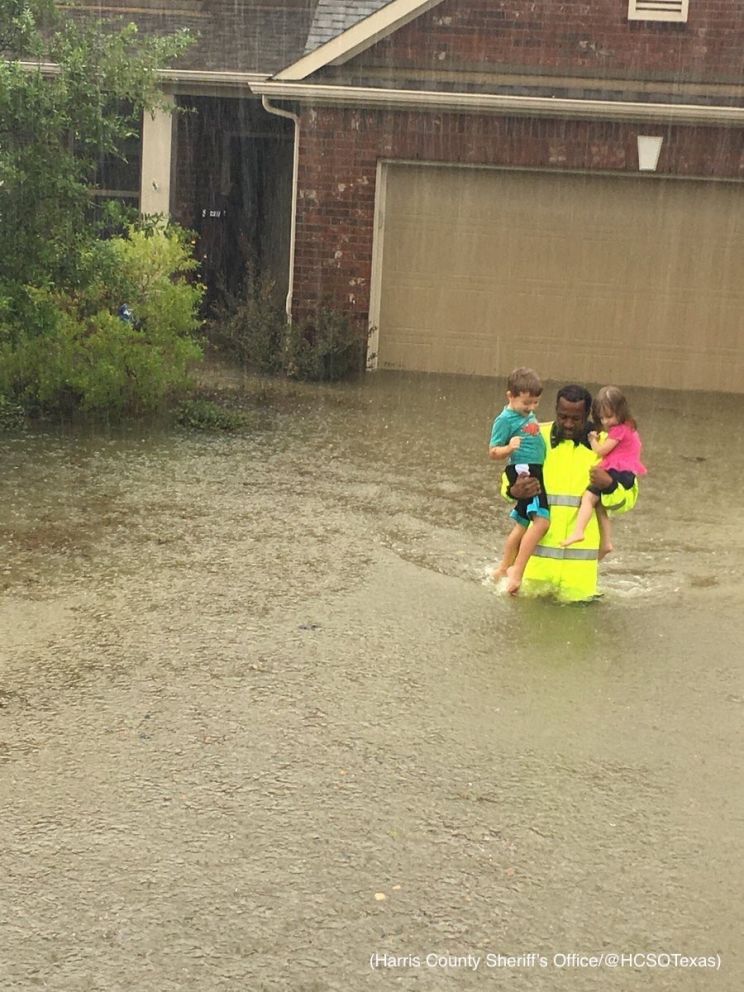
251, 327
12, 416
204, 415
68, 349
324, 348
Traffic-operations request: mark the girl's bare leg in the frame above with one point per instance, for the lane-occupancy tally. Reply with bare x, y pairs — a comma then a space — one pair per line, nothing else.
588, 504
605, 531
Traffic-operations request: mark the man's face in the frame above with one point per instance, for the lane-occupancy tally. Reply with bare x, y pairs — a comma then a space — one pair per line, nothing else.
570, 418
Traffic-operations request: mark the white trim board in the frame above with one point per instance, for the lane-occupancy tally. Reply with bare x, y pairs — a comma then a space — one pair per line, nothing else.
375, 280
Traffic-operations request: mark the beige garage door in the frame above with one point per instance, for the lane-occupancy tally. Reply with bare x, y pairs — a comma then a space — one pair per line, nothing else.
638, 281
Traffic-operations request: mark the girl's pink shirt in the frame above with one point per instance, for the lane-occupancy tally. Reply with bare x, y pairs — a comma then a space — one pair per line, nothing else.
626, 455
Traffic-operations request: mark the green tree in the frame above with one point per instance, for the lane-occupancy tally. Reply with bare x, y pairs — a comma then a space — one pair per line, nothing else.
70, 92
55, 125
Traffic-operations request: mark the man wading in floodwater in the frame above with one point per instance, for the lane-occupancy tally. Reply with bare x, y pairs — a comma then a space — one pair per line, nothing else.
570, 573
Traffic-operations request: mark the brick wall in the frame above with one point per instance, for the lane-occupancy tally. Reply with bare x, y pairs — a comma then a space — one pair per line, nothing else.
339, 150
592, 37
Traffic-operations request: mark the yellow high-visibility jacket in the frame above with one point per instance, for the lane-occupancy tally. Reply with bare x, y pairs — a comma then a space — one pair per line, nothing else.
570, 573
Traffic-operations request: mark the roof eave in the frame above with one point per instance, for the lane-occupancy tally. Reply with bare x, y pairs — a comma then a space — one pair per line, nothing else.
505, 105
181, 80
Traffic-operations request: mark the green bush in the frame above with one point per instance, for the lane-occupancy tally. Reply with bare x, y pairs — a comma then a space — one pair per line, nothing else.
12, 417
325, 347
205, 415
253, 329
61, 351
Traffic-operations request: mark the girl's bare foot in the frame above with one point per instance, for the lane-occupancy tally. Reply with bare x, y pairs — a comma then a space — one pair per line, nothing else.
604, 549
514, 581
572, 539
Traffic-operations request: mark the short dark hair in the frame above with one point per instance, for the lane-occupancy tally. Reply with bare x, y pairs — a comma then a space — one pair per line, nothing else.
575, 394
524, 380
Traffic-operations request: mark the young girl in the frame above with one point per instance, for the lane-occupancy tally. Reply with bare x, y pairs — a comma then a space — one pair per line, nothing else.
621, 458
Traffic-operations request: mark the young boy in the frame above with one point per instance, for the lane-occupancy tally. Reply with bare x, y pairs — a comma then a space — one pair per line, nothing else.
516, 435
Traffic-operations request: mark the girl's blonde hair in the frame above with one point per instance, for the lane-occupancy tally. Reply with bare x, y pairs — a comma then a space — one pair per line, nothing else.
613, 399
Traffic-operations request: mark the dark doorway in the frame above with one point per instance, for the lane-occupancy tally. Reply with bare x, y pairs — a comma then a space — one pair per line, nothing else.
233, 180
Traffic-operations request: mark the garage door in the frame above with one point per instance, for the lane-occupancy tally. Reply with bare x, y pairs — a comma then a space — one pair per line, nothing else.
636, 280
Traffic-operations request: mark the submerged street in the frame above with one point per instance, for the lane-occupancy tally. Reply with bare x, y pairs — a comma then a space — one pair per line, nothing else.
263, 725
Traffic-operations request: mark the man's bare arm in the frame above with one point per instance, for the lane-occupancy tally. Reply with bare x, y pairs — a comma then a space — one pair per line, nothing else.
525, 487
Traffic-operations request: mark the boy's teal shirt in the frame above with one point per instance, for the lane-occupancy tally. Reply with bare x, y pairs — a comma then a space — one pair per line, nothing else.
509, 424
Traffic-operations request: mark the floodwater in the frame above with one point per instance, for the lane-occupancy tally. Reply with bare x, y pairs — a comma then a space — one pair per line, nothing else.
261, 719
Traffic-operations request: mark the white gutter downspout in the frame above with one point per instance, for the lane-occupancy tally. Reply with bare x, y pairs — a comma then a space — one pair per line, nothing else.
293, 222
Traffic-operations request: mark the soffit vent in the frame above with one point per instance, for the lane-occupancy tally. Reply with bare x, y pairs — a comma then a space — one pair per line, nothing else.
658, 10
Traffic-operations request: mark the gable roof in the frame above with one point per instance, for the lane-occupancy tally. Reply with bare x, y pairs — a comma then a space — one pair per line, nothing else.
338, 32
243, 36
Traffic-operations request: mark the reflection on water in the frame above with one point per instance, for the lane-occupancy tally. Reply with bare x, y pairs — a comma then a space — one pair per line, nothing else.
248, 682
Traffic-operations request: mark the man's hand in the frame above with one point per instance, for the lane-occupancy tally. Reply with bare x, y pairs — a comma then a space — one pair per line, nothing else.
600, 478
525, 487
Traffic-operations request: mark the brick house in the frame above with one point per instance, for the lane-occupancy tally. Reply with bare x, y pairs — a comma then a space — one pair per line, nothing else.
484, 183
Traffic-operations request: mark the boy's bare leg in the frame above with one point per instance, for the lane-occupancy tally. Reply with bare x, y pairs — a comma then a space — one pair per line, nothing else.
605, 531
511, 548
535, 533
588, 504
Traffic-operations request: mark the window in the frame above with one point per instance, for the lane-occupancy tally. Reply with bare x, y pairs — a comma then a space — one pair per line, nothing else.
119, 178
658, 10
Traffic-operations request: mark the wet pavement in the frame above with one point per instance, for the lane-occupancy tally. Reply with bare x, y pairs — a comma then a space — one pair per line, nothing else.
263, 724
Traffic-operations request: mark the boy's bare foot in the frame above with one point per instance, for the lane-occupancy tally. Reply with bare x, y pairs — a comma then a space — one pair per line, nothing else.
572, 539
604, 550
513, 581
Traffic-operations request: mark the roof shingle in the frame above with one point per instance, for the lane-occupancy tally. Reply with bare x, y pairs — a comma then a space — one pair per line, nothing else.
261, 36
333, 17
